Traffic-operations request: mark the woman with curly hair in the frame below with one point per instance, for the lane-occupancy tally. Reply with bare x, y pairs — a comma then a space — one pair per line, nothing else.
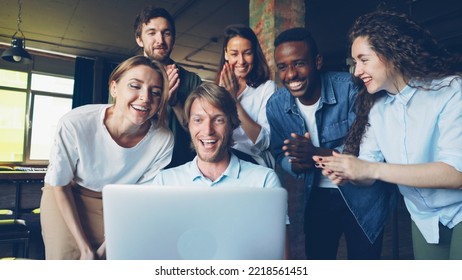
408, 129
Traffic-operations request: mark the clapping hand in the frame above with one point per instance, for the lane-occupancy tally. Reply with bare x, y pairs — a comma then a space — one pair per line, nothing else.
300, 150
340, 168
173, 83
228, 80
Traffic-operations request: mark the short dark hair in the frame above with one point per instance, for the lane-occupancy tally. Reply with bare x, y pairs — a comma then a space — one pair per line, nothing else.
150, 12
298, 34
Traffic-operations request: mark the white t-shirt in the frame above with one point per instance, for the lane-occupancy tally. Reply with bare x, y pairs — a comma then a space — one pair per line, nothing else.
84, 151
309, 115
254, 100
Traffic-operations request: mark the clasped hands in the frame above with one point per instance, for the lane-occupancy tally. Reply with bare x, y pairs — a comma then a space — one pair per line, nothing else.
173, 83
339, 168
300, 151
228, 80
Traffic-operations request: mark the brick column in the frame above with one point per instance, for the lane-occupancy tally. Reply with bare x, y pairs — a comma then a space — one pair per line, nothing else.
268, 18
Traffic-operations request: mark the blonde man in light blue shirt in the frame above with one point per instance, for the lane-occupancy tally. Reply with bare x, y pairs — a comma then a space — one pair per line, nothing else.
212, 116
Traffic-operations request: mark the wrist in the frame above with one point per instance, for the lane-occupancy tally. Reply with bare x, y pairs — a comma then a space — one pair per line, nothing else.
375, 174
85, 250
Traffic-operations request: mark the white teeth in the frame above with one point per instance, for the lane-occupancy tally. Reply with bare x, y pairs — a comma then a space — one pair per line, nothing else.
208, 142
140, 108
365, 80
294, 85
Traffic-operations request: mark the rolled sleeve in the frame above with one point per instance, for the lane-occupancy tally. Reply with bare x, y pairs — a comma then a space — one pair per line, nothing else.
449, 143
63, 157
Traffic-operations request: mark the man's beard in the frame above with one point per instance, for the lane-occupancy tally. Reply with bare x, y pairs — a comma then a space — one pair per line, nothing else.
162, 58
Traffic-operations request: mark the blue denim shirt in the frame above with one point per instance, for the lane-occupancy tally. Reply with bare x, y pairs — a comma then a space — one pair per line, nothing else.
334, 117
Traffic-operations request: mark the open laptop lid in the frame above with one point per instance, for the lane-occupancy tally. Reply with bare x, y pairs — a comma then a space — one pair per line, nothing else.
170, 222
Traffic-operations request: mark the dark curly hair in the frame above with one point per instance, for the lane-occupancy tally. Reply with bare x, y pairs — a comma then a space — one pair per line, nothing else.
409, 48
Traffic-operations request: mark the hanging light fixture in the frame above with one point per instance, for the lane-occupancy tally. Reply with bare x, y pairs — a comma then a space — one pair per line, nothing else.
17, 53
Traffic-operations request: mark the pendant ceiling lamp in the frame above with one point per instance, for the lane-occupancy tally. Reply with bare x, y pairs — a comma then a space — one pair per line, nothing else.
17, 53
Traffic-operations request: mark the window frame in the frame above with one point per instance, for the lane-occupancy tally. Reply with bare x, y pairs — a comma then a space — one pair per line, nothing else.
30, 98
30, 114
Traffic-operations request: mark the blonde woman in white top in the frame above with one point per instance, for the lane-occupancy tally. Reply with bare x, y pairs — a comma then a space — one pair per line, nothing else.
126, 142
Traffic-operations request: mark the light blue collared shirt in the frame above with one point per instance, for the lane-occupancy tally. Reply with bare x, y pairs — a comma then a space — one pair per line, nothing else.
420, 126
238, 173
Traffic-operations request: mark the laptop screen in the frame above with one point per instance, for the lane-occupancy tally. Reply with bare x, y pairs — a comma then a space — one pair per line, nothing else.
194, 223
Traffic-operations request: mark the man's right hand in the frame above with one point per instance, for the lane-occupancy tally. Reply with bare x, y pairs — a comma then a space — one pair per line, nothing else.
173, 83
300, 150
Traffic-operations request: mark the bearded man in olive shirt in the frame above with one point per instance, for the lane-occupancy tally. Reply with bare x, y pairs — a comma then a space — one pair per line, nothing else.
155, 34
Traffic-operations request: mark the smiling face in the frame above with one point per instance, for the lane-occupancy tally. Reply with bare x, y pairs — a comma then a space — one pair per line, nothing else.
297, 70
157, 39
239, 53
372, 70
210, 131
137, 94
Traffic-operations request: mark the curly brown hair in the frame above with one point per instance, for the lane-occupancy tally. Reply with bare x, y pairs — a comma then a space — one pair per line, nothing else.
408, 48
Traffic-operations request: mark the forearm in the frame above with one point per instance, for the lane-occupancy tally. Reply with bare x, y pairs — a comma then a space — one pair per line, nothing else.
66, 204
428, 175
251, 128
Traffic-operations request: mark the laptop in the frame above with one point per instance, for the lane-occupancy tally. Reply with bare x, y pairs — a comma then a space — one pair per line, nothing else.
148, 222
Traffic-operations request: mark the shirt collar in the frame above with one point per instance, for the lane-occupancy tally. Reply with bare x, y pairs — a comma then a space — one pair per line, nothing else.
194, 170
403, 96
232, 170
327, 95
327, 90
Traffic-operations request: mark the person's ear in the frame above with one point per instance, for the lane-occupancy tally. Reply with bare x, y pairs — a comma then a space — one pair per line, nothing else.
226, 55
113, 90
139, 41
319, 61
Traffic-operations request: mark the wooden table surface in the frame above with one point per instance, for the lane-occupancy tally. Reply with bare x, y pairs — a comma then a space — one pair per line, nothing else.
21, 175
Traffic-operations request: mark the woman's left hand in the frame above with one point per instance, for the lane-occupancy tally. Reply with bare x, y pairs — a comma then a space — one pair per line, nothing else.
228, 80
340, 168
